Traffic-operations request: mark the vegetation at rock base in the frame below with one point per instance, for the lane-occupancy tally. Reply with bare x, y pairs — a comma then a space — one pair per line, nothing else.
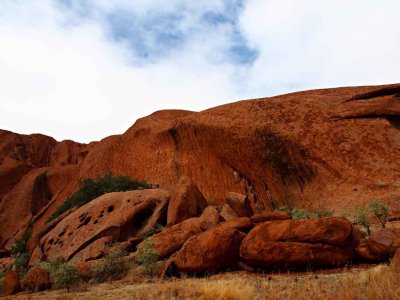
361, 218
93, 188
66, 276
111, 268
380, 210
147, 256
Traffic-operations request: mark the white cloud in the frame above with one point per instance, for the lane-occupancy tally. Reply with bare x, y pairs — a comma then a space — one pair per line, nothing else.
62, 74
312, 44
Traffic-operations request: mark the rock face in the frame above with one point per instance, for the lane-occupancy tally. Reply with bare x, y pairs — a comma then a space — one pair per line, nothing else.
228, 213
109, 218
209, 251
186, 202
11, 283
331, 148
240, 204
298, 243
380, 245
37, 279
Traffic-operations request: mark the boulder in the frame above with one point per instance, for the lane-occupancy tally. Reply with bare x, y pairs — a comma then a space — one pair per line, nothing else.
228, 213
37, 279
11, 283
380, 246
239, 203
270, 216
113, 217
210, 251
299, 243
210, 218
172, 238
186, 202
241, 224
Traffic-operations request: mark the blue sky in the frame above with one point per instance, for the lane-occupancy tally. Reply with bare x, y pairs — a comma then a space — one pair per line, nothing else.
83, 70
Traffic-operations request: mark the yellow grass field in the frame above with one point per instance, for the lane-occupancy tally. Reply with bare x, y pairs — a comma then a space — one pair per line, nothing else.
376, 282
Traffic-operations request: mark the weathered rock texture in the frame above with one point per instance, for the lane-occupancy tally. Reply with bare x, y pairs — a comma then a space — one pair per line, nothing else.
209, 251
37, 279
172, 239
186, 202
331, 148
380, 246
11, 284
112, 217
299, 243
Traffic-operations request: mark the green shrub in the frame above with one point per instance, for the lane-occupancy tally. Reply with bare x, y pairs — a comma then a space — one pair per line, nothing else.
303, 214
111, 268
93, 188
20, 253
52, 264
361, 218
147, 256
19, 246
380, 210
66, 276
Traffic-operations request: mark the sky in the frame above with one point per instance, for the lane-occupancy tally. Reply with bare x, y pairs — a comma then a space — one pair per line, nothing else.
86, 69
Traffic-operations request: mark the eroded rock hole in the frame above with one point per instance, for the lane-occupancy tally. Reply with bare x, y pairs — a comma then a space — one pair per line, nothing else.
110, 208
85, 222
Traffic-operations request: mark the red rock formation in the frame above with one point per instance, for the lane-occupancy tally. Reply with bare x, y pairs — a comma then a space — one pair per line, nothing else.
111, 217
239, 203
270, 216
380, 246
186, 202
298, 243
209, 251
331, 148
172, 239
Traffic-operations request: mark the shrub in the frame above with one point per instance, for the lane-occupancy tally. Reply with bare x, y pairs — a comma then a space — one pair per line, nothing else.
147, 256
113, 267
19, 246
93, 188
20, 253
362, 219
380, 210
66, 276
52, 264
303, 214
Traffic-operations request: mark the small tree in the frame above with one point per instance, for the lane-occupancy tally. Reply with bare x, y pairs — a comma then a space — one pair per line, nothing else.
66, 276
111, 268
362, 219
380, 210
147, 256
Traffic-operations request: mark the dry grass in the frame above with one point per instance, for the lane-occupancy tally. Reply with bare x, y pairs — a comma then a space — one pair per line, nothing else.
378, 282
